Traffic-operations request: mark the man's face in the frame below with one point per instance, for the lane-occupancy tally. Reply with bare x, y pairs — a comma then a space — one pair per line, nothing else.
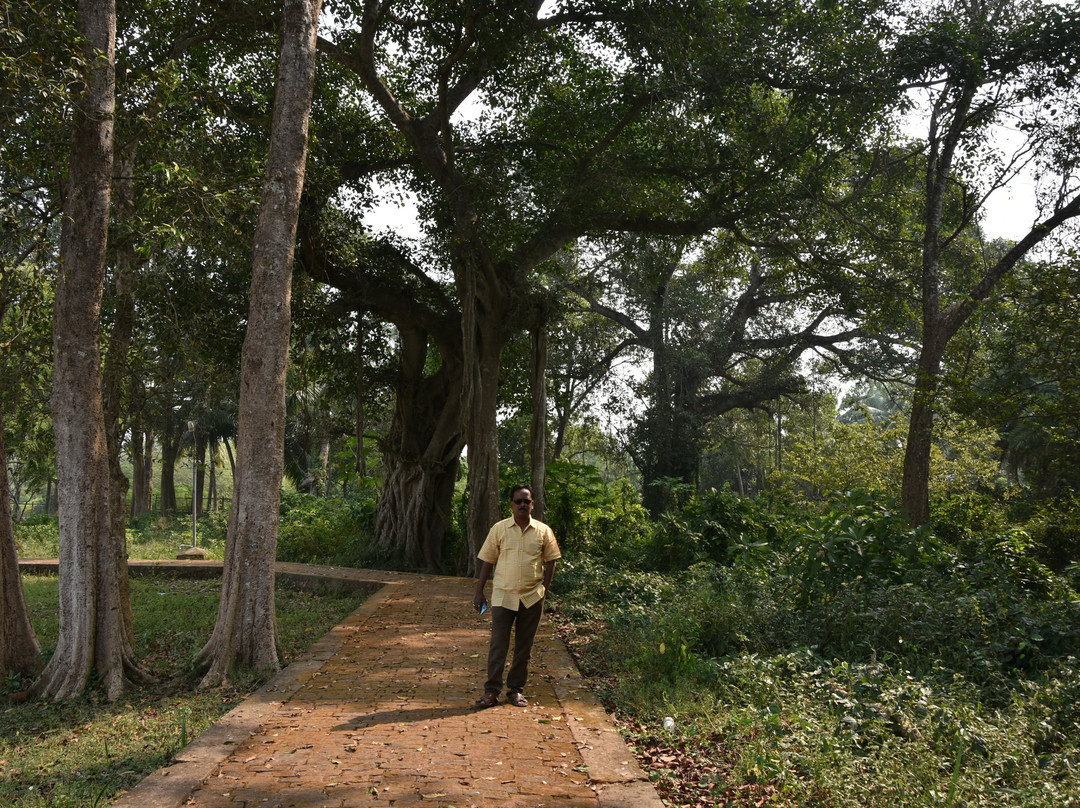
522, 503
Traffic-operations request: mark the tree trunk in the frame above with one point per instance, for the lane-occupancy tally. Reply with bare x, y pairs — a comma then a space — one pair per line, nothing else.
941, 325
148, 471
562, 421
212, 489
668, 447
113, 376
232, 460
538, 425
245, 632
654, 436
142, 473
483, 445
414, 510
92, 568
779, 438
942, 141
170, 449
142, 450
198, 457
421, 453
361, 411
915, 485
18, 644
302, 449
325, 477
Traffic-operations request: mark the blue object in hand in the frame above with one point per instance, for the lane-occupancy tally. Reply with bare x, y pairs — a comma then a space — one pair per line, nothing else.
483, 607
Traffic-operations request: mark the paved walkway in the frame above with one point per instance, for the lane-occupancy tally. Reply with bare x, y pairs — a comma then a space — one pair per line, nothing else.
380, 713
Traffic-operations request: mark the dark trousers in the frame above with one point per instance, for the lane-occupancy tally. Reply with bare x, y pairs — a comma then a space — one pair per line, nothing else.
523, 623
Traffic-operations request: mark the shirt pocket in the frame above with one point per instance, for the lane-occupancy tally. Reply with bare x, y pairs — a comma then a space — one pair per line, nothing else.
533, 547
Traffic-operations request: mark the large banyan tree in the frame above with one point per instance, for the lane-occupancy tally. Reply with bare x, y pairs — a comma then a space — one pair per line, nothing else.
521, 128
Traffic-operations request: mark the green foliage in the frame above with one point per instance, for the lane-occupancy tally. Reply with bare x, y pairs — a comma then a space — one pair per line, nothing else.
586, 582
842, 653
1054, 526
716, 526
160, 537
868, 454
315, 530
595, 517
38, 538
964, 518
148, 537
964, 458
312, 530
1024, 382
1056, 707
856, 541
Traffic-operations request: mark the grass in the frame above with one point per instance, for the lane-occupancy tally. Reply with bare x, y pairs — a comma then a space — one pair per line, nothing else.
83, 753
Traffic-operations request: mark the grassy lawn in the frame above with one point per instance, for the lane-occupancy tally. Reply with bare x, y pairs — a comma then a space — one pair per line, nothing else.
84, 752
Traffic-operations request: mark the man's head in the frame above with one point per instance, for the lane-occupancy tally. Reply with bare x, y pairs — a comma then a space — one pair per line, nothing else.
521, 499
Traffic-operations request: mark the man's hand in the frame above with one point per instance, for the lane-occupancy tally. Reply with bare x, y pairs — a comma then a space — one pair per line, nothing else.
549, 574
478, 596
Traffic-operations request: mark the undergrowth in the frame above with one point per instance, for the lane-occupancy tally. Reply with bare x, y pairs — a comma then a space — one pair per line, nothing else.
836, 658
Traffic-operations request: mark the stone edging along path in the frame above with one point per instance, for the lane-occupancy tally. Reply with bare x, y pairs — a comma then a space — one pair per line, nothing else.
379, 712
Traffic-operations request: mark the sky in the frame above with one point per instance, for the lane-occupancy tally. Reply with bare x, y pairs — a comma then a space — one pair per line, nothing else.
1010, 213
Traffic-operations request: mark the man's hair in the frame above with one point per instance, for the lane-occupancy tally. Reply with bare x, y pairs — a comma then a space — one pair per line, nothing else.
517, 488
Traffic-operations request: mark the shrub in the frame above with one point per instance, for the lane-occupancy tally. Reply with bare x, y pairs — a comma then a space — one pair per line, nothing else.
591, 516
1055, 531
587, 581
966, 518
38, 519
716, 526
860, 540
842, 653
1057, 717
37, 539
869, 454
314, 530
150, 536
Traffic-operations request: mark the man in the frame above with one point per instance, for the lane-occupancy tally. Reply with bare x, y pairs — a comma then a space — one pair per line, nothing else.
523, 552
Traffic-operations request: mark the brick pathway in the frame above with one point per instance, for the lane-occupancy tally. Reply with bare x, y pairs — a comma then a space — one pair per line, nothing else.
380, 713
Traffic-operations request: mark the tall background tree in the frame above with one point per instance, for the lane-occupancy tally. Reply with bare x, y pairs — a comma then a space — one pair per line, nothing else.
18, 643
96, 632
245, 632
722, 327
982, 64
1016, 372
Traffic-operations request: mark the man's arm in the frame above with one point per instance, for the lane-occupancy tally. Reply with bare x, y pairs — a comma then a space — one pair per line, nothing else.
549, 573
485, 572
